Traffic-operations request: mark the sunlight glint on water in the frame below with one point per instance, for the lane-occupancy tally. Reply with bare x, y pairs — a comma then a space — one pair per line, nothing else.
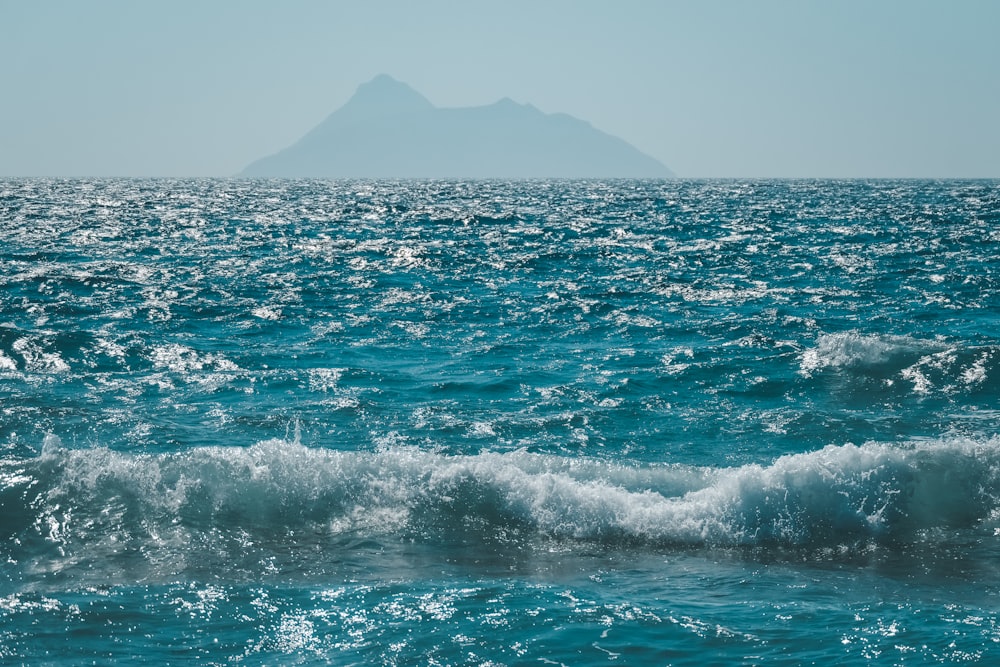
499, 423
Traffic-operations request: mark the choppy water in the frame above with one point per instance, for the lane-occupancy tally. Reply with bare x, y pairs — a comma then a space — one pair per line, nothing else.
451, 423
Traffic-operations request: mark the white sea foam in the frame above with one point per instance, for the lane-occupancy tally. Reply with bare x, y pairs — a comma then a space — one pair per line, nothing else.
37, 359
925, 367
185, 360
853, 349
267, 313
86, 502
6, 363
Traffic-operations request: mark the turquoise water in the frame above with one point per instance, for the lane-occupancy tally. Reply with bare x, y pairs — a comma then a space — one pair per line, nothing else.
484, 423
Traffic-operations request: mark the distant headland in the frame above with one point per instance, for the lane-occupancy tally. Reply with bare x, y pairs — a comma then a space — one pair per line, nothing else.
389, 130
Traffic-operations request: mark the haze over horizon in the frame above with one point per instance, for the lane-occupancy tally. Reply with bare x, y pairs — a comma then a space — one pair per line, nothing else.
722, 88
389, 130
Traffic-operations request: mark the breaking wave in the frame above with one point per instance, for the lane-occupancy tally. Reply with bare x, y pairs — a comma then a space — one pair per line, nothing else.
81, 507
922, 366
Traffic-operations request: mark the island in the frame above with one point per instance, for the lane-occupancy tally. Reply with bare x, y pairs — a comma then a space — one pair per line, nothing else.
389, 130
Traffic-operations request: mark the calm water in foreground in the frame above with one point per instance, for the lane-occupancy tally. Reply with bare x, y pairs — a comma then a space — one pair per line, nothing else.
489, 423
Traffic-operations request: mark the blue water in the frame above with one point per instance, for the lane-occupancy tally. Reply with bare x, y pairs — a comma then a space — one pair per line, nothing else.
491, 423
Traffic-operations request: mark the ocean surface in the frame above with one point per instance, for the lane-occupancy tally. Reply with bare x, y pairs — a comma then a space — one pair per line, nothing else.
499, 423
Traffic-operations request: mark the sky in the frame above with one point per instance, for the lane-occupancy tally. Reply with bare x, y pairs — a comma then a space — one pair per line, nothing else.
712, 88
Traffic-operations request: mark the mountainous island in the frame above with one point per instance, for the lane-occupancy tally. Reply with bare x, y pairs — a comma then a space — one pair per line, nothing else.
389, 130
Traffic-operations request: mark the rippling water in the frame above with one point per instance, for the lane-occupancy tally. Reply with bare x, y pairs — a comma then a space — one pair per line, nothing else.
643, 422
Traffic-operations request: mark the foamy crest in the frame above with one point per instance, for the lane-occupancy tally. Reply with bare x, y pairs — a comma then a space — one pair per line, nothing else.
77, 507
851, 349
903, 363
6, 363
37, 359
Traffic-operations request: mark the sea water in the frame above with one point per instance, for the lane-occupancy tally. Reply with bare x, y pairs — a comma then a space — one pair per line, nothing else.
499, 423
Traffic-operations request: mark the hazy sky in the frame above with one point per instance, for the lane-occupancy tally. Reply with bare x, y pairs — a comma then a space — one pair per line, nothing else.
798, 88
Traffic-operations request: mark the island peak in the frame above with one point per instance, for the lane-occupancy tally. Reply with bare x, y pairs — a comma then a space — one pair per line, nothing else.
389, 130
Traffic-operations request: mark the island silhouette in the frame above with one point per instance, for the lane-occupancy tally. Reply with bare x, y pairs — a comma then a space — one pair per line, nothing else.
389, 130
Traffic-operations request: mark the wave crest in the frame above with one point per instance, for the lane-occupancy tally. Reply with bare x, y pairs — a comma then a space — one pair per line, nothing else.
74, 507
903, 363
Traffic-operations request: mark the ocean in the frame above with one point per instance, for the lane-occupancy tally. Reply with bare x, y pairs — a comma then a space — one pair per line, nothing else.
678, 422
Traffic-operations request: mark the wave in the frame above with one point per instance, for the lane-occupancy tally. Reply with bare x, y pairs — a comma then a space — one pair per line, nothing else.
904, 363
76, 508
851, 349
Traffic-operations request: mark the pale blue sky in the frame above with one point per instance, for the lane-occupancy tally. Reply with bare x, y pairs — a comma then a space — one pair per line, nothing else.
717, 88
